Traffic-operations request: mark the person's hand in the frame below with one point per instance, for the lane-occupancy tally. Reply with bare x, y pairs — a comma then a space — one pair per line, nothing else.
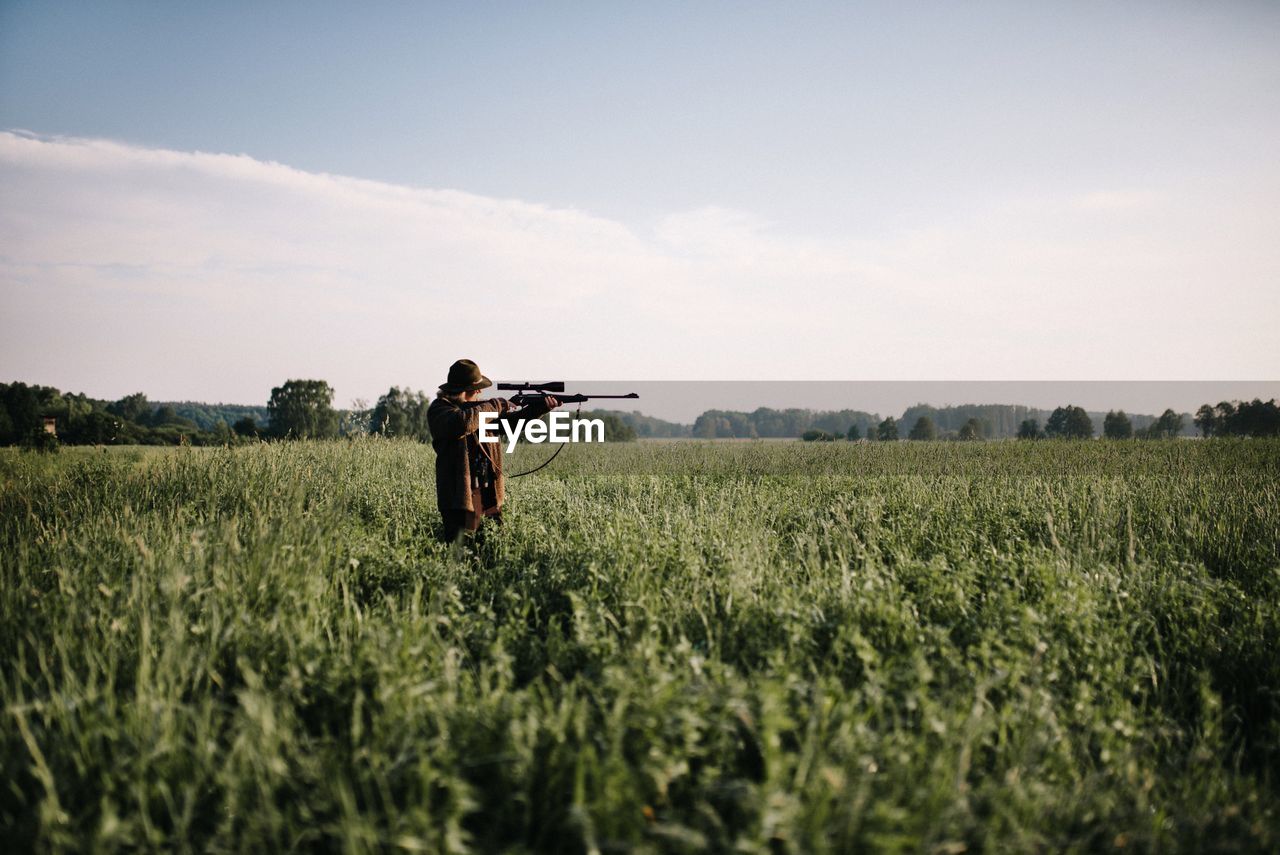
550, 401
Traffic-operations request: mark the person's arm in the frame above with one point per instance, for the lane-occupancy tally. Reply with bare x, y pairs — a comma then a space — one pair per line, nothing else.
515, 418
455, 421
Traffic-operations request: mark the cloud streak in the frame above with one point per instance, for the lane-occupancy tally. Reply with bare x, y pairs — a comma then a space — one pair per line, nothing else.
190, 274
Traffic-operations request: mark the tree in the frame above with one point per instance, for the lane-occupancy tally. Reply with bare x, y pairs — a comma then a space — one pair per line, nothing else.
1167, 426
222, 434
22, 405
1246, 418
711, 426
1226, 413
1117, 425
854, 433
923, 429
96, 428
167, 415
615, 429
1079, 425
401, 413
725, 424
303, 409
1030, 429
971, 429
132, 408
887, 431
1057, 425
1207, 420
1069, 422
247, 428
1256, 418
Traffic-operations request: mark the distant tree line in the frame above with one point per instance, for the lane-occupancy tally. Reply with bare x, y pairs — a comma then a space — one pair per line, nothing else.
1072, 422
650, 427
1256, 418
1239, 418
303, 409
297, 409
81, 420
990, 421
616, 427
1229, 418
770, 423
207, 416
967, 422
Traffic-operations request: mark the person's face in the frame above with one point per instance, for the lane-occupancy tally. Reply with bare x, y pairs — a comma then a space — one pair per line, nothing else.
473, 395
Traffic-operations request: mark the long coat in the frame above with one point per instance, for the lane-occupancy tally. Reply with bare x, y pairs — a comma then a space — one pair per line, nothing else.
453, 435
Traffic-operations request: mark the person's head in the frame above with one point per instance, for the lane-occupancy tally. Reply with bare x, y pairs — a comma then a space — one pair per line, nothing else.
465, 381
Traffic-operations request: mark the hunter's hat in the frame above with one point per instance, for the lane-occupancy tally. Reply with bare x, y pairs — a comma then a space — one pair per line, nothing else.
465, 376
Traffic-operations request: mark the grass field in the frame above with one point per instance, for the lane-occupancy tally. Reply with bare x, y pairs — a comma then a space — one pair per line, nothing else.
668, 647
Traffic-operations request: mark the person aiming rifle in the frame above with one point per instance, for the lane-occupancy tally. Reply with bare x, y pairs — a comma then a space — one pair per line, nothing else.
470, 486
470, 482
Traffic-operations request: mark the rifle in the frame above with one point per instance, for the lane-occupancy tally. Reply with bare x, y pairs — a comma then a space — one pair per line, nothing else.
529, 393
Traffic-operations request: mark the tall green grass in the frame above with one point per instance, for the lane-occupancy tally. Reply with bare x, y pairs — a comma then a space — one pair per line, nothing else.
667, 647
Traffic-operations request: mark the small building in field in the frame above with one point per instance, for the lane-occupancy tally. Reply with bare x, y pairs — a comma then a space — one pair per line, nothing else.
51, 426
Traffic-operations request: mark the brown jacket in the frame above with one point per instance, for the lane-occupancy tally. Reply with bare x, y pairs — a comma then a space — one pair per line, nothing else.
451, 424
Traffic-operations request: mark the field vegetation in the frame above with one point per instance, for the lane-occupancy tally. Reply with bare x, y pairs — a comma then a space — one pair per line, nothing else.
783, 647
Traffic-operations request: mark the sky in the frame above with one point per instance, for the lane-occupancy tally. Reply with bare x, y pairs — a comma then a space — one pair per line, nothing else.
200, 201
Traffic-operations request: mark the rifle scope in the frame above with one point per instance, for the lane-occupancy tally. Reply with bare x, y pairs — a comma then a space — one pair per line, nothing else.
550, 386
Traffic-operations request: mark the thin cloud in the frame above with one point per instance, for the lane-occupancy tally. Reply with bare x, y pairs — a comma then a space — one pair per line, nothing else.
193, 274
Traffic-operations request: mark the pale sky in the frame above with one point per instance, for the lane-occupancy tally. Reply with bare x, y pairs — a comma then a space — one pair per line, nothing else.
200, 201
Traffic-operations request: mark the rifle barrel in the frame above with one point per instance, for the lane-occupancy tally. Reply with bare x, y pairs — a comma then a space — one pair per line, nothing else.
571, 399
